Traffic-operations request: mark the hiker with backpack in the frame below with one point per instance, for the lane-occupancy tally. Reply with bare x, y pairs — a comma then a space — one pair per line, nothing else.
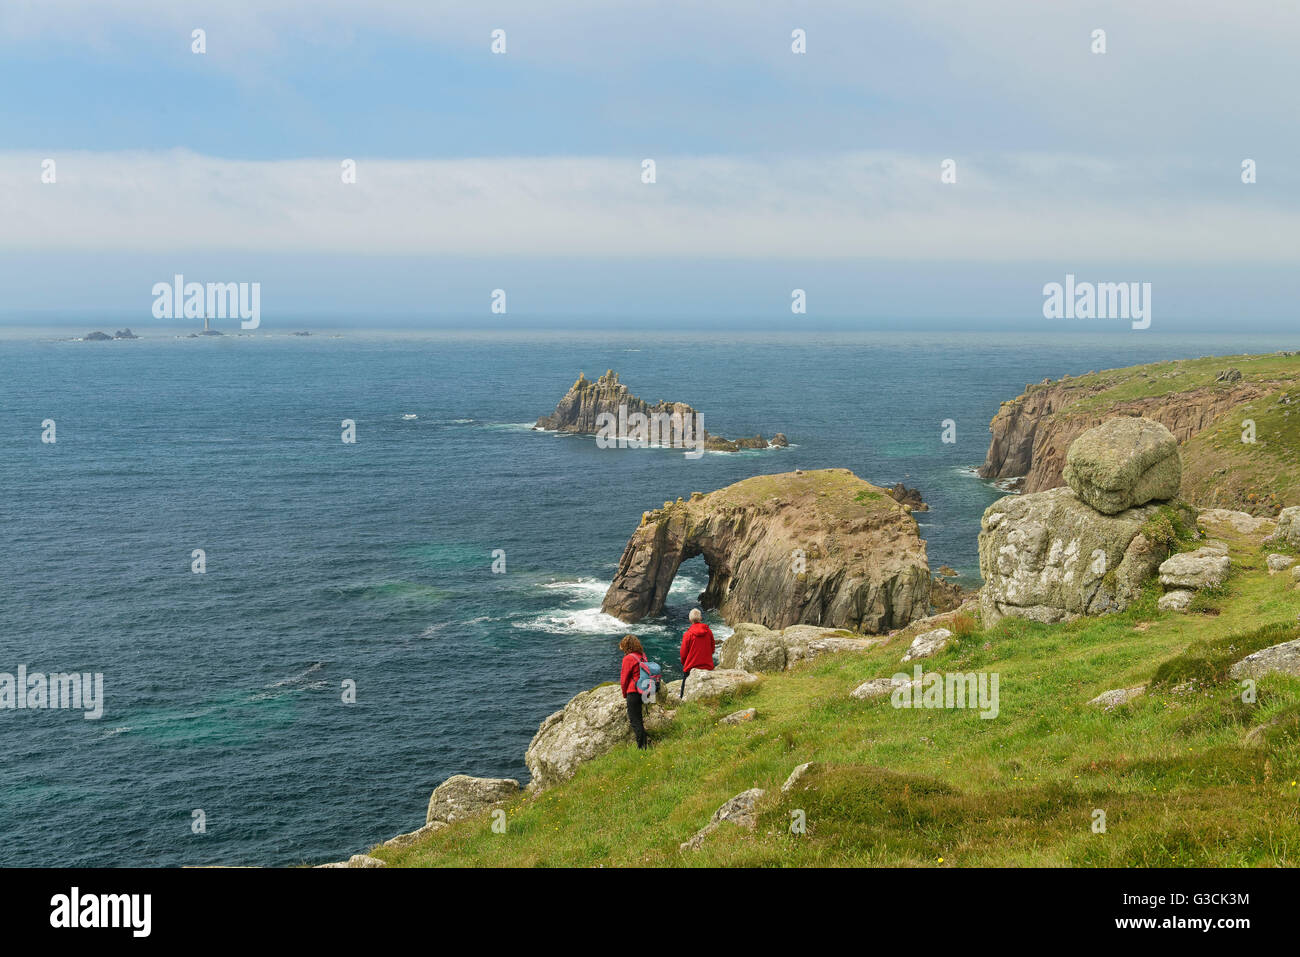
639, 678
697, 648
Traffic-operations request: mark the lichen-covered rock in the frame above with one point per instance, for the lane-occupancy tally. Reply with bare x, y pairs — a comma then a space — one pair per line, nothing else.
1122, 463
412, 837
1277, 659
812, 547
1177, 600
927, 644
707, 685
751, 647
1048, 556
740, 811
878, 688
591, 724
797, 775
1110, 700
740, 717
1221, 520
1279, 563
1288, 527
1203, 568
462, 796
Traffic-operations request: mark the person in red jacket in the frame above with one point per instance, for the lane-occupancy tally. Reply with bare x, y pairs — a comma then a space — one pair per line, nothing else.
697, 648
633, 655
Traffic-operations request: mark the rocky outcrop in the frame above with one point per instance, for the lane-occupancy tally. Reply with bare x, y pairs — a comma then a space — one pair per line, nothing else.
880, 687
708, 685
740, 717
740, 810
1279, 563
752, 647
1206, 567
927, 644
1123, 463
908, 496
1222, 520
584, 406
798, 774
1180, 599
812, 547
462, 796
1288, 527
1048, 557
1277, 659
590, 725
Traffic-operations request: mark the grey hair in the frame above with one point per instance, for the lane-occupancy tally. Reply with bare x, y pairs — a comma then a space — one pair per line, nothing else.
696, 615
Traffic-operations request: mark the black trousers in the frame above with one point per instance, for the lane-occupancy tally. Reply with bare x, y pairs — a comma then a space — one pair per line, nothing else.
634, 717
685, 674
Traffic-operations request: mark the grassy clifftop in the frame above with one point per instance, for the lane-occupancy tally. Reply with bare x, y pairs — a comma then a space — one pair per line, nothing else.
1177, 771
1237, 419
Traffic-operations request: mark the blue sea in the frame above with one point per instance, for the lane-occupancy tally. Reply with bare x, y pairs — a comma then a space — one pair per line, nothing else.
330, 563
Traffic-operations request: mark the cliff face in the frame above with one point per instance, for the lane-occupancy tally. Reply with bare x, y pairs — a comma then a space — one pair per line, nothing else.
586, 401
820, 547
1202, 402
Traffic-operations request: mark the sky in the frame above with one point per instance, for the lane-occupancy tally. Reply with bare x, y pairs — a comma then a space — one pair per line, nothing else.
774, 170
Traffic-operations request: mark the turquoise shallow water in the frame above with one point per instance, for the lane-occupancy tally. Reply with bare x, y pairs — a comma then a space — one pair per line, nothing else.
372, 562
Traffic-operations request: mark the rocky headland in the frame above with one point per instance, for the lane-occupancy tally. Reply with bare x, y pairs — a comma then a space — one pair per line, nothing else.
1231, 415
817, 547
581, 410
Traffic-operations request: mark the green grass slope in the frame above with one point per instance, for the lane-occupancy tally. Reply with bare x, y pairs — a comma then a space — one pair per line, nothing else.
1177, 772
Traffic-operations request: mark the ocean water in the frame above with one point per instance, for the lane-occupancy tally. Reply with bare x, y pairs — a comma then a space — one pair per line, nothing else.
372, 563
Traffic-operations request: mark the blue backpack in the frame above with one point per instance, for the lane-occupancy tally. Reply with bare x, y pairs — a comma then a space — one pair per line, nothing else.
649, 675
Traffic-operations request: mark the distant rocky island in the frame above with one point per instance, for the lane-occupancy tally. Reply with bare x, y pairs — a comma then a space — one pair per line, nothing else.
105, 337
583, 406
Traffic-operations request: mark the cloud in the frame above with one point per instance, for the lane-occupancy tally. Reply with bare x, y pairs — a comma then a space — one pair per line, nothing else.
877, 205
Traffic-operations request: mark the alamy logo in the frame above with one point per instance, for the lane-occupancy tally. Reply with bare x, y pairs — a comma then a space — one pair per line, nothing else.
976, 690
1103, 300
38, 691
179, 299
663, 429
72, 910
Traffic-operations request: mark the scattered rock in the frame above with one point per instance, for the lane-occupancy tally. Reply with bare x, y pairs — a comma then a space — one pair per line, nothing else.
1279, 563
1228, 375
1177, 600
1123, 463
878, 688
1277, 659
1243, 523
591, 724
740, 717
1203, 568
1110, 700
739, 811
707, 685
925, 645
462, 796
947, 571
751, 647
797, 775
908, 496
358, 860
97, 337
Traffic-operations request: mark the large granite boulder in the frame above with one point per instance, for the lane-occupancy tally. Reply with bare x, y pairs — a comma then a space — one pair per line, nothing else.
1206, 567
1277, 659
807, 547
751, 647
1048, 556
462, 796
1122, 463
590, 725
